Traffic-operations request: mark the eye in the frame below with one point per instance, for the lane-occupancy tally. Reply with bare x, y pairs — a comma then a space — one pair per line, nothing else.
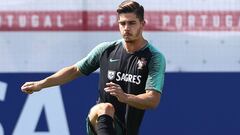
122, 23
132, 23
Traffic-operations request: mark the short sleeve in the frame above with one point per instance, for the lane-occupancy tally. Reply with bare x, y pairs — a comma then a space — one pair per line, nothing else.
91, 62
156, 72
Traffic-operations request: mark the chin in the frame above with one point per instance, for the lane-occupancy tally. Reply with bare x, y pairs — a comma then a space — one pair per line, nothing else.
128, 40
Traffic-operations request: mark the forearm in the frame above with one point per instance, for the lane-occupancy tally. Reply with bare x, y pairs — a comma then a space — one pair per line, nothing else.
147, 100
142, 101
61, 77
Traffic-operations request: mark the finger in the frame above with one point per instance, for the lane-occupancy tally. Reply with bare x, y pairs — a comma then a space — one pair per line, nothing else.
108, 89
113, 87
113, 94
28, 83
29, 92
112, 84
25, 88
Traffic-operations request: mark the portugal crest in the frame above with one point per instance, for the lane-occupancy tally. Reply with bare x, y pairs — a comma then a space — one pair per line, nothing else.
141, 63
111, 74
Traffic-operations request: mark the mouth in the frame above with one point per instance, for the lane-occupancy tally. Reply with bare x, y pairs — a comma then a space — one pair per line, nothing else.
127, 35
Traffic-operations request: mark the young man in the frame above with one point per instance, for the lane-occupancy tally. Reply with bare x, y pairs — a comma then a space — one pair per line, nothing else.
131, 76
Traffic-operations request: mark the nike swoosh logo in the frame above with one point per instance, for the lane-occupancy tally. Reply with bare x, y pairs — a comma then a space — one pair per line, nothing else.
114, 60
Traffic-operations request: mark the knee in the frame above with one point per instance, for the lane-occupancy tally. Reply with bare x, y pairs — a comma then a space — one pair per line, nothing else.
102, 108
106, 108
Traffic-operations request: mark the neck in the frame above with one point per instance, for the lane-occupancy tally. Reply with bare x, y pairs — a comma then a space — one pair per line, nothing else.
133, 46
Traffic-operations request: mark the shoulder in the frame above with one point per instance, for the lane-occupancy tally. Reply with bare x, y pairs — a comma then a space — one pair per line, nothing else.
156, 54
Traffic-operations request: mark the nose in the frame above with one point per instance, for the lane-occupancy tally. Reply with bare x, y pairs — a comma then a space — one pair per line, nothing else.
127, 27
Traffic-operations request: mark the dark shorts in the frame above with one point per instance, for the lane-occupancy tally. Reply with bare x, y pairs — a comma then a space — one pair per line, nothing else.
117, 125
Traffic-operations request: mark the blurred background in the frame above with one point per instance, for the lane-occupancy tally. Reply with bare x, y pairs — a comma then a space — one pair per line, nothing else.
199, 38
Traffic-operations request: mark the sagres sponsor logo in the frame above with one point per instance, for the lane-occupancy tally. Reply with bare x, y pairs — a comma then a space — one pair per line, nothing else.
128, 78
119, 76
111, 74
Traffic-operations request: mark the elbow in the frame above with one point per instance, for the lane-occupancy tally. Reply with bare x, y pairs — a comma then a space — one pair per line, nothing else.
154, 100
154, 104
74, 71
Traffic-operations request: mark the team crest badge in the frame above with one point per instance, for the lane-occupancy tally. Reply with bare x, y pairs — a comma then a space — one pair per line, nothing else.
111, 74
141, 63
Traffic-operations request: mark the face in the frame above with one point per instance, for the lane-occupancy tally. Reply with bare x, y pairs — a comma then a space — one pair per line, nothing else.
130, 27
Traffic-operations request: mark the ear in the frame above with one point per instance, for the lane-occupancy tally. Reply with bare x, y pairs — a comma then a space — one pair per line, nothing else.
143, 22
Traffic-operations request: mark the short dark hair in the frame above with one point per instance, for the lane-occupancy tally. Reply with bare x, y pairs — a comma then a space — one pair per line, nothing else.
129, 6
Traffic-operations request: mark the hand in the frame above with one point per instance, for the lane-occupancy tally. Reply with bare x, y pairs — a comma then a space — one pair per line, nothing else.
116, 90
30, 87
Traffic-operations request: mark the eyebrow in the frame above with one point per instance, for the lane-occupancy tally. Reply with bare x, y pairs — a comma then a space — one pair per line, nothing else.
127, 21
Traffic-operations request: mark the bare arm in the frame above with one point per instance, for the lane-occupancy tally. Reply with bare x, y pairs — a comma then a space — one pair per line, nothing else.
61, 77
147, 100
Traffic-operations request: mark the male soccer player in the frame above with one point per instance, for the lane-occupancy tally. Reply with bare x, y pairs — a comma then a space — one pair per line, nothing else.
131, 76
